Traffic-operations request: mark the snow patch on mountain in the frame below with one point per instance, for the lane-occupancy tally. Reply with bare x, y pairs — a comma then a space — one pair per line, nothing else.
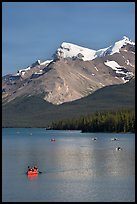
128, 63
45, 62
22, 72
119, 70
114, 65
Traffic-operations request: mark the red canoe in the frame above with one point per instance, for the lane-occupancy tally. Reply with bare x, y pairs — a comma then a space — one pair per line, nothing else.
31, 173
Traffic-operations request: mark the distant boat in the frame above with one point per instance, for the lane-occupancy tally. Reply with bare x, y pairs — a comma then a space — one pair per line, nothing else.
53, 140
32, 171
48, 128
113, 139
118, 148
94, 138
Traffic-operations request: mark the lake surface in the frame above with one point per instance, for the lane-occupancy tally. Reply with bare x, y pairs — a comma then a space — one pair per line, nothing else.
75, 167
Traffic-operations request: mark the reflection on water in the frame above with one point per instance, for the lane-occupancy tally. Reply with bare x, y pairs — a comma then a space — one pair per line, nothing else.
32, 177
74, 167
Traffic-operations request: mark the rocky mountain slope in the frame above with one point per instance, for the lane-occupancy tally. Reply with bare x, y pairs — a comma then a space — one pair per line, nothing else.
73, 73
34, 111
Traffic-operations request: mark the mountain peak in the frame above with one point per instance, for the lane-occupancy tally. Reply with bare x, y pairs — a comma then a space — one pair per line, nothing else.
70, 50
125, 38
128, 41
119, 44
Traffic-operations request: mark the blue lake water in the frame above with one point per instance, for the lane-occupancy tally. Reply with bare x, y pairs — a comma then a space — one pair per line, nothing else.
75, 167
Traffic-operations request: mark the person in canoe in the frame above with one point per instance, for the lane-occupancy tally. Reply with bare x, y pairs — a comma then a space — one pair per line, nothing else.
33, 170
29, 169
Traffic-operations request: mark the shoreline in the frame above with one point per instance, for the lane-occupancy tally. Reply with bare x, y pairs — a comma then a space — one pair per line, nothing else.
68, 130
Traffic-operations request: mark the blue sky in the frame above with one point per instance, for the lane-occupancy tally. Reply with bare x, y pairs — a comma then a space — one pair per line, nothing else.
34, 30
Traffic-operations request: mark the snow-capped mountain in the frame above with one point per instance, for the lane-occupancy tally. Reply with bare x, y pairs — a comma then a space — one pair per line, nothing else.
69, 50
115, 48
73, 73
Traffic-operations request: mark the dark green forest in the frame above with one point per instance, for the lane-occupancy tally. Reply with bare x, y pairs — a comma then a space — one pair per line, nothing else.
108, 121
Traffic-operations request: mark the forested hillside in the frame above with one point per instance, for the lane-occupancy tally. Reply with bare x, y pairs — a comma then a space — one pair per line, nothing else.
111, 121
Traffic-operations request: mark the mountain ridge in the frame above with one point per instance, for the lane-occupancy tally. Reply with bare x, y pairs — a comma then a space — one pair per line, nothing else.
33, 111
70, 50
